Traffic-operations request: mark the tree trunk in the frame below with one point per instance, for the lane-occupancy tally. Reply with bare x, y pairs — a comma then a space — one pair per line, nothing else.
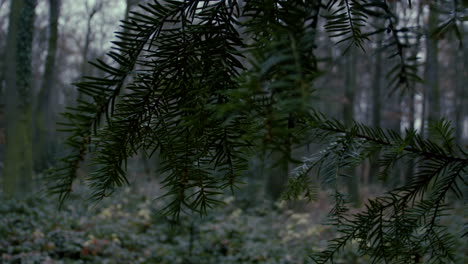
395, 106
461, 72
376, 107
18, 154
3, 68
431, 71
412, 102
278, 174
84, 55
89, 31
45, 121
348, 116
411, 117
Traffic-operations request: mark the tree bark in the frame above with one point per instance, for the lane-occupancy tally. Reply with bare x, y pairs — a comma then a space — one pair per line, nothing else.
96, 8
18, 155
3, 68
431, 70
278, 174
461, 72
45, 121
410, 169
348, 116
376, 107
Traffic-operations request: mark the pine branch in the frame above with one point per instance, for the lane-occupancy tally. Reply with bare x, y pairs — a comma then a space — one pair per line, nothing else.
413, 142
392, 222
345, 21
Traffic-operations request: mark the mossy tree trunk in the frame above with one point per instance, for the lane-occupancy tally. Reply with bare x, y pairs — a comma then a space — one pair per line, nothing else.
18, 155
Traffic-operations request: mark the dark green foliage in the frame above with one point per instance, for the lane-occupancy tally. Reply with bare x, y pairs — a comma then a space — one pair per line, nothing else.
406, 218
346, 21
178, 72
126, 229
210, 83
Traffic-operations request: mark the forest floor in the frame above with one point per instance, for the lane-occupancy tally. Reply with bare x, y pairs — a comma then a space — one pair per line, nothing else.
126, 228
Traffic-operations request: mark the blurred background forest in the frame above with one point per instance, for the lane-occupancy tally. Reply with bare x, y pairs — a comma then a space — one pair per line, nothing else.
59, 37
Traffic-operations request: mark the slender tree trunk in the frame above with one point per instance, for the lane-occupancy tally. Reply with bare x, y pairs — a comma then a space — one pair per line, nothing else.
3, 68
459, 101
84, 55
461, 72
411, 102
376, 108
394, 123
45, 121
423, 112
431, 71
2, 120
411, 117
348, 116
18, 155
278, 174
89, 31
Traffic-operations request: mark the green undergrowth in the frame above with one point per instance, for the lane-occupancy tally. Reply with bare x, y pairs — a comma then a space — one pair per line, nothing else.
127, 229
